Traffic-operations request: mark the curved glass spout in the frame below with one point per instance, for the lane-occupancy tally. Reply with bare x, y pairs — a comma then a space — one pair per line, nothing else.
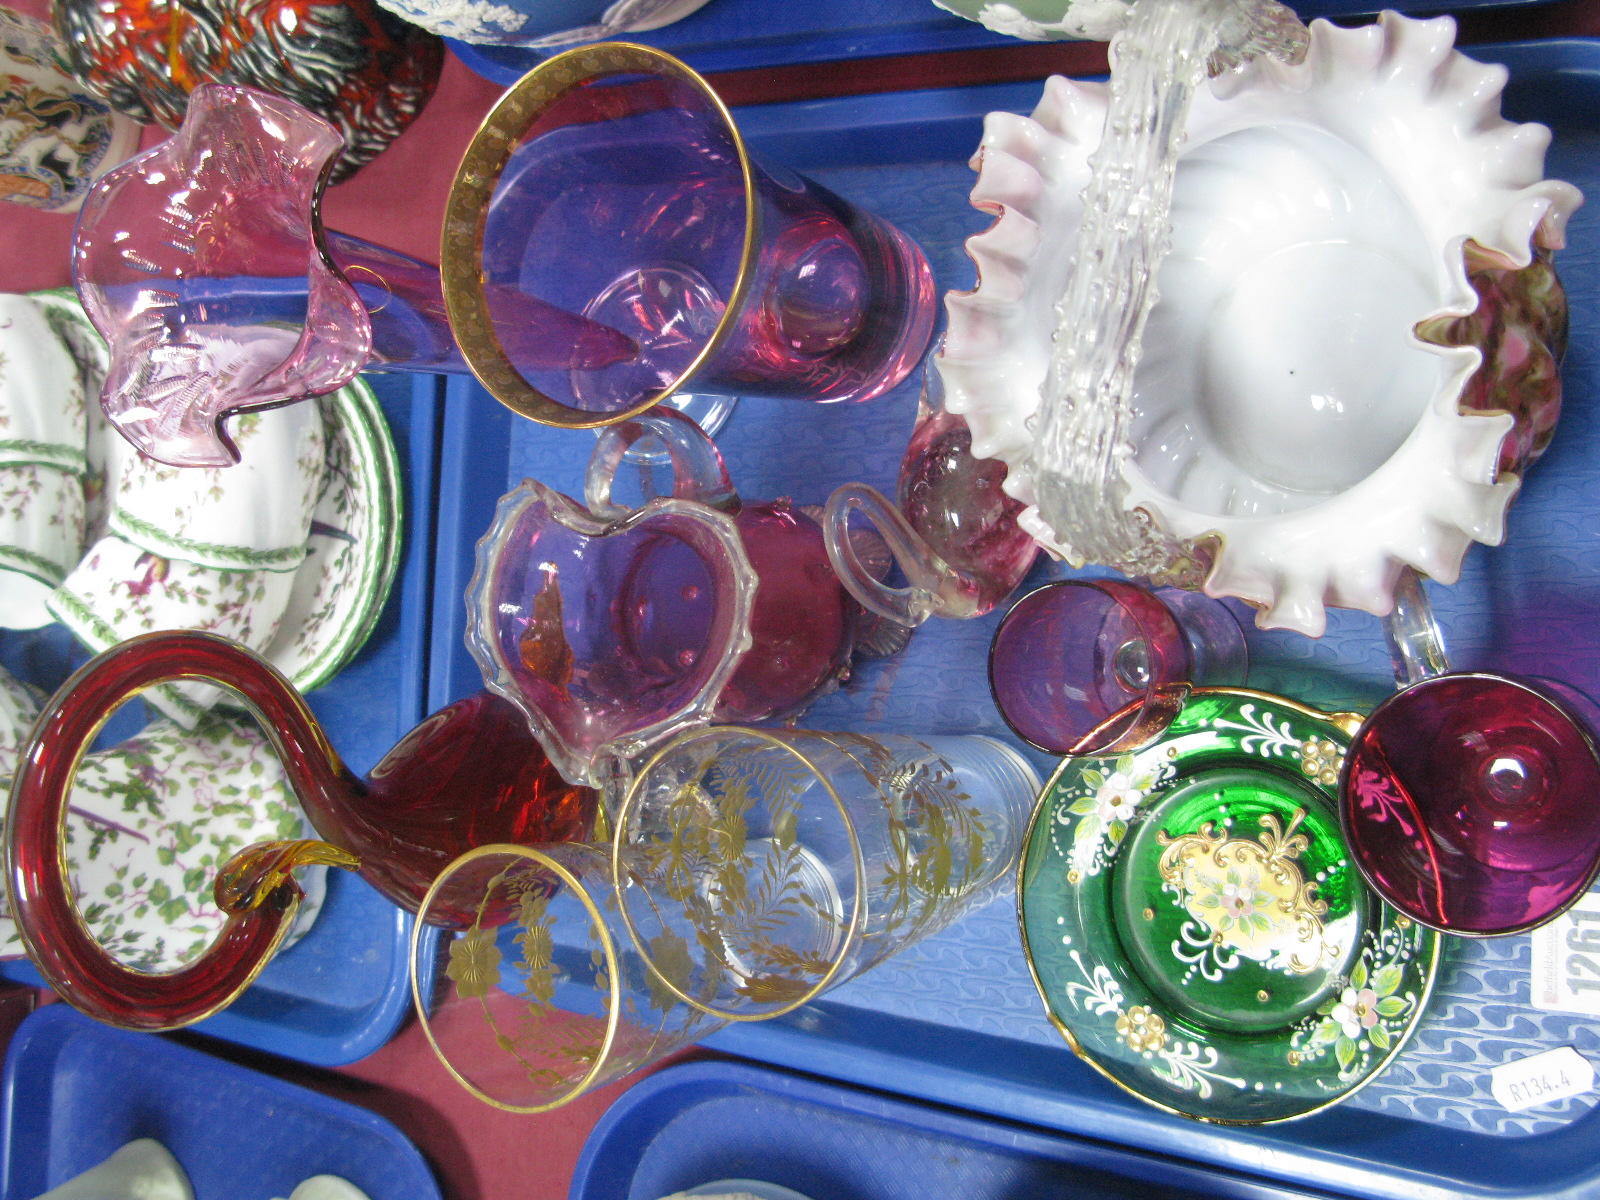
1082, 434
205, 265
469, 775
955, 533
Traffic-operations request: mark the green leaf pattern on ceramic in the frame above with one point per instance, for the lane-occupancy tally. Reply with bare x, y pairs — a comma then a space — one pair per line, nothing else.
354, 548
57, 526
120, 591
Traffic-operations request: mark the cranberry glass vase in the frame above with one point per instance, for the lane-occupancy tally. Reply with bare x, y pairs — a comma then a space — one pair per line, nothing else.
611, 181
613, 628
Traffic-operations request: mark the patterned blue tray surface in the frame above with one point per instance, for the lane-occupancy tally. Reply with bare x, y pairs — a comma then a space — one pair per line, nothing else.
704, 1121
1529, 606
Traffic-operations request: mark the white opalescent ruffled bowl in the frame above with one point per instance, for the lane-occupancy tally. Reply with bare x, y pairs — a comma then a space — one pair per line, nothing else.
1354, 353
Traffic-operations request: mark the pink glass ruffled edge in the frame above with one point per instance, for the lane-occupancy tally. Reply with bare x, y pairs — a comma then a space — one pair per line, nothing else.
594, 760
163, 216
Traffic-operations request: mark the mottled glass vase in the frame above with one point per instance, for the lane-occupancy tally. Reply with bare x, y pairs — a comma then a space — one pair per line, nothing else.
346, 60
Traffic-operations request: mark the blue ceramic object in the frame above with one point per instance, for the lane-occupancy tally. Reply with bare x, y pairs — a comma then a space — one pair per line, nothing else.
541, 24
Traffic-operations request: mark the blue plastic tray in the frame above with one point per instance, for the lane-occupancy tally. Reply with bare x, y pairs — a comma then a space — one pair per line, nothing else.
733, 35
77, 1091
342, 991
957, 1019
705, 1121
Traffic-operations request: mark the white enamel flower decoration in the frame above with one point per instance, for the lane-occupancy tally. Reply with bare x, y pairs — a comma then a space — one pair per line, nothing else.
1285, 410
470, 20
1116, 799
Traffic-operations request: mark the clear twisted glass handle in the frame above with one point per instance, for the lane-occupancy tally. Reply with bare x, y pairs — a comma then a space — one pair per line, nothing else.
1081, 435
1416, 645
935, 587
698, 471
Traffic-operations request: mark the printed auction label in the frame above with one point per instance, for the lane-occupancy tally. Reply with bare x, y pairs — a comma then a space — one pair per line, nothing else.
1566, 960
1542, 1079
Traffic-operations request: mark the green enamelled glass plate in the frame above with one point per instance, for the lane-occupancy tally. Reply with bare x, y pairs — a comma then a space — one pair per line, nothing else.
1195, 924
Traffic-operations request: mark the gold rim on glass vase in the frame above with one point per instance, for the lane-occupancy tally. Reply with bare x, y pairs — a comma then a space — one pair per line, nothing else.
461, 261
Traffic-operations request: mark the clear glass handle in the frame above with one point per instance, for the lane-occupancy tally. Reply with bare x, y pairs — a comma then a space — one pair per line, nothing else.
1082, 430
1416, 645
698, 472
936, 588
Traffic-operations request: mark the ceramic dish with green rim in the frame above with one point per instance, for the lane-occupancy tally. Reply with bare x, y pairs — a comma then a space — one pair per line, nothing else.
1196, 927
354, 548
336, 594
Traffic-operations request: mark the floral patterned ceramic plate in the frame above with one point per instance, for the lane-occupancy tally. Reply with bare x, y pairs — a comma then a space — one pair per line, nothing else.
307, 623
354, 547
351, 554
1195, 924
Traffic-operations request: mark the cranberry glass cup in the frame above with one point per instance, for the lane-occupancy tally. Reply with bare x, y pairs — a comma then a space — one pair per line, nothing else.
1102, 666
611, 182
1470, 802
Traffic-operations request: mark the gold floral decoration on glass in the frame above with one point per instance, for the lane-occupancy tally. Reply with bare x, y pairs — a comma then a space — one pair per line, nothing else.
1251, 895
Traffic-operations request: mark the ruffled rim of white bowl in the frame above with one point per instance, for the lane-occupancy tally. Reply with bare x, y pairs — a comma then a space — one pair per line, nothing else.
1439, 492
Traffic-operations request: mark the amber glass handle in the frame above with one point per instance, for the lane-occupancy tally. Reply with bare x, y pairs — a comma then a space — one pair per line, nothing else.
255, 889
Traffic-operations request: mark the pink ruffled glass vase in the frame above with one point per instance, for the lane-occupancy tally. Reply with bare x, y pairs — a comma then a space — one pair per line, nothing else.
205, 264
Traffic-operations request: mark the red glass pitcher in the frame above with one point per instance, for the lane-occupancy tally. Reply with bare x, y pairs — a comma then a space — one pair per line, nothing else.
469, 775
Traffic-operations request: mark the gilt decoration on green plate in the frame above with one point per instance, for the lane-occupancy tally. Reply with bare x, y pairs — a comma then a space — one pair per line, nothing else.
1196, 926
